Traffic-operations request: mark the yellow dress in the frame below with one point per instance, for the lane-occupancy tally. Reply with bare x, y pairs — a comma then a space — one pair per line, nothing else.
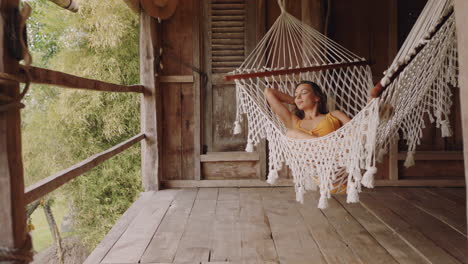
324, 127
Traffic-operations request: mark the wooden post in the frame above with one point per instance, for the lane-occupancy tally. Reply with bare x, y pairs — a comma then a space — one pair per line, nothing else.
149, 148
12, 208
461, 9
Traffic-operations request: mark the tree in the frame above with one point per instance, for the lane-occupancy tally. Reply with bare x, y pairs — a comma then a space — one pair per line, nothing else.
62, 127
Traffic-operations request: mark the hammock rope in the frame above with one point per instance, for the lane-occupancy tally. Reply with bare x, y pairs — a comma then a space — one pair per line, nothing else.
417, 83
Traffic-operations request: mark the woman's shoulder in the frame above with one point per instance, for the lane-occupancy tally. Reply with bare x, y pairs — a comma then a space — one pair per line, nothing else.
337, 114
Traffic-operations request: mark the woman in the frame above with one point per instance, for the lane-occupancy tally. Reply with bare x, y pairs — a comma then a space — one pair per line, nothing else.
311, 118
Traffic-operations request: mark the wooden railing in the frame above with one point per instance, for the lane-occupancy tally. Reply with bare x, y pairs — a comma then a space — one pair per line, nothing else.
13, 195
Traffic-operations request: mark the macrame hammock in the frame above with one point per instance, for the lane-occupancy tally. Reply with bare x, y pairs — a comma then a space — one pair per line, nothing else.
417, 82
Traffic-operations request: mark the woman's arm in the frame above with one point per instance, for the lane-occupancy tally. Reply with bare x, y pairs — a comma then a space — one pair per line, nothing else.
275, 100
341, 116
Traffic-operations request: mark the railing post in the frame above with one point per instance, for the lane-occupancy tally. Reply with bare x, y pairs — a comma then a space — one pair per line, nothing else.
12, 207
149, 122
461, 9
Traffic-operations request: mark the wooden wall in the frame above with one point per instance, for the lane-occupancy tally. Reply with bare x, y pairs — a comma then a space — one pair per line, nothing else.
177, 92
197, 118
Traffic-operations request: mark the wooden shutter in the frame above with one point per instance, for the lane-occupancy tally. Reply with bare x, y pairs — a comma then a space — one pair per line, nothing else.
230, 32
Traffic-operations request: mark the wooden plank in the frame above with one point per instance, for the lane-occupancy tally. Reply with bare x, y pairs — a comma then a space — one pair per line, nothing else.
163, 245
289, 182
172, 134
187, 128
461, 7
197, 110
434, 155
421, 183
451, 194
393, 162
331, 244
61, 79
224, 183
195, 242
47, 185
119, 228
293, 242
443, 235
133, 242
440, 208
176, 79
385, 236
414, 238
363, 244
257, 244
150, 152
6, 214
226, 238
230, 156
230, 170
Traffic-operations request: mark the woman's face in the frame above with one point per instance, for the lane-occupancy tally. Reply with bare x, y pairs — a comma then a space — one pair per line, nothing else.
305, 97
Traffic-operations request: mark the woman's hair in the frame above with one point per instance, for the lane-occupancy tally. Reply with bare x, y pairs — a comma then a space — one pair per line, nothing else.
322, 103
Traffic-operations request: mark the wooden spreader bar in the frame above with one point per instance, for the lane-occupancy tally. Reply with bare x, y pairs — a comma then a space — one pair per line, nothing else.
298, 70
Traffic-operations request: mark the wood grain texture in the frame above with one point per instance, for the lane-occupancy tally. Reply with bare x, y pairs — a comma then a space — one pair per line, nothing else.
230, 170
461, 7
164, 244
133, 242
449, 240
119, 228
61, 79
150, 104
399, 249
293, 241
11, 150
195, 242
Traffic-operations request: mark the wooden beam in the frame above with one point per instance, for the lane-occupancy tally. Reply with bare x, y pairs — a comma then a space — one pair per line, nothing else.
230, 156
298, 70
433, 155
51, 183
46, 76
150, 151
197, 113
289, 182
13, 208
70, 5
176, 79
461, 8
421, 183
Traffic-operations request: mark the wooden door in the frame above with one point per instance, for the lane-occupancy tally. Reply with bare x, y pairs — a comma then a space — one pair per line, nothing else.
230, 34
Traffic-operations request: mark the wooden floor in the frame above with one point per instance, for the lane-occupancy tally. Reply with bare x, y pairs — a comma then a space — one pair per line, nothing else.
267, 225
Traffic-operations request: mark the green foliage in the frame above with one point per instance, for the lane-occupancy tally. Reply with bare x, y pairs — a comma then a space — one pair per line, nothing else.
62, 127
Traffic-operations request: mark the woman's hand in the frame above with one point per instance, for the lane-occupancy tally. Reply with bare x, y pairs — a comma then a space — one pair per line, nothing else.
298, 134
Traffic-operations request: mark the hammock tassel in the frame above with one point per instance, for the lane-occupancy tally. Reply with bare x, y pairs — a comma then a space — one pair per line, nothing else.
237, 128
368, 178
409, 159
381, 154
446, 131
272, 176
323, 201
352, 193
300, 195
249, 147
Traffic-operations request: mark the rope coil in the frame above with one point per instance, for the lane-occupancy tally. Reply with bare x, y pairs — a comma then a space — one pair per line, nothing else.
23, 254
